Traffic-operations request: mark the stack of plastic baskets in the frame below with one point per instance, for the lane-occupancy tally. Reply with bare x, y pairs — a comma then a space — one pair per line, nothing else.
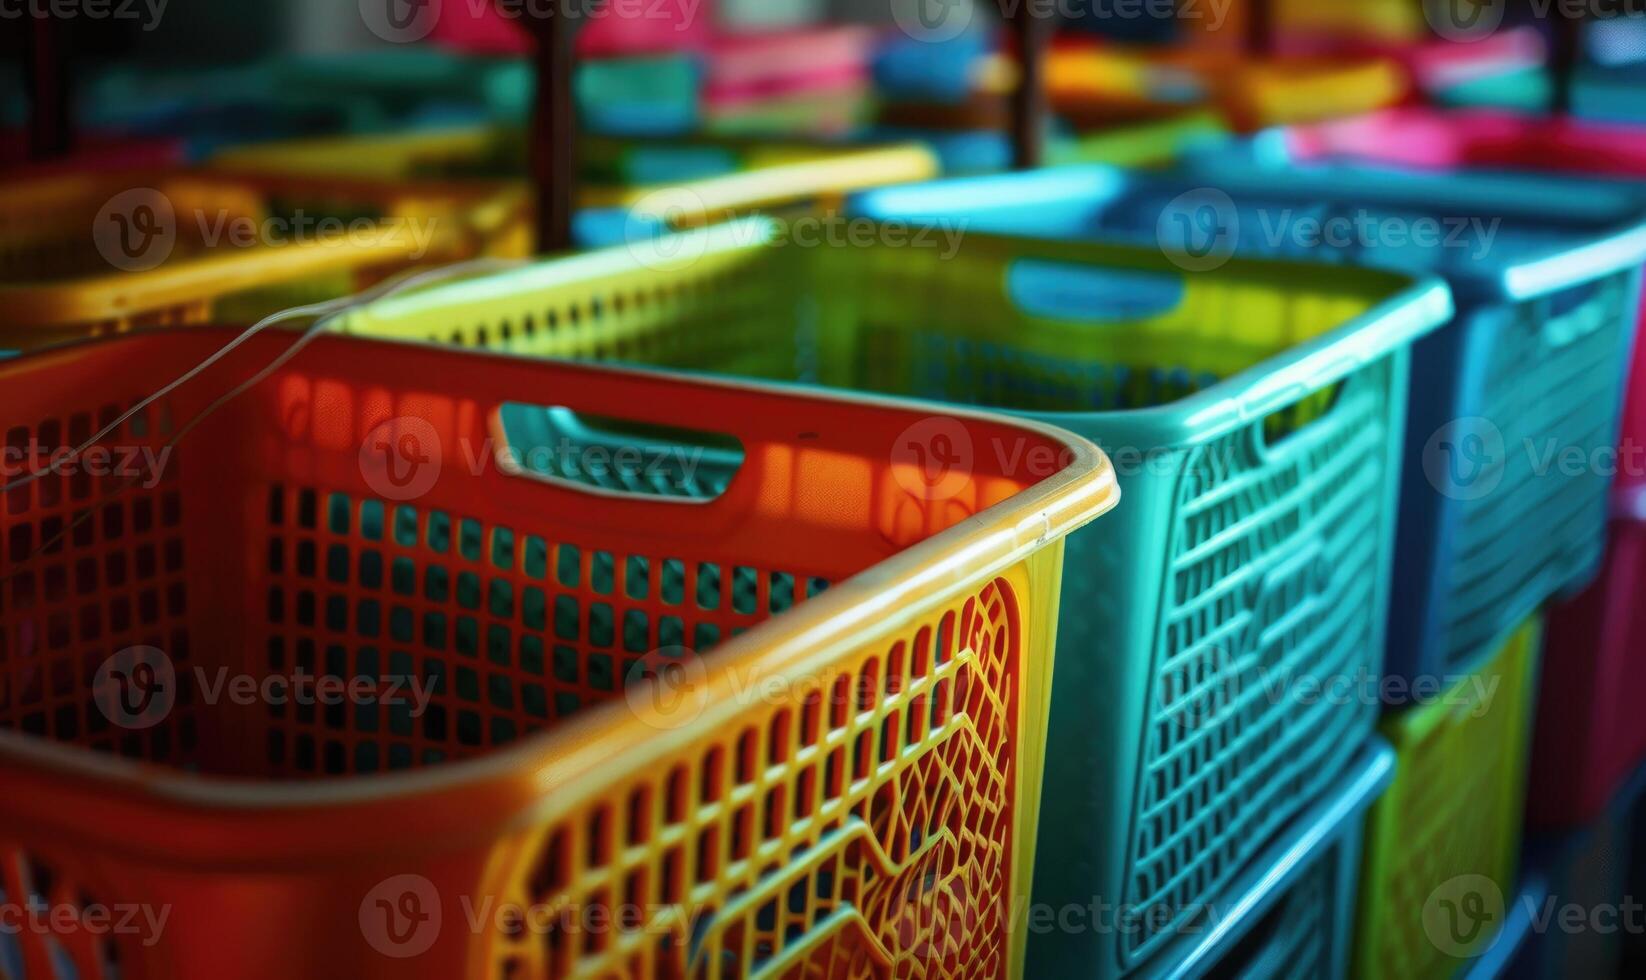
1443, 844
1092, 86
1256, 415
545, 726
1533, 363
90, 254
1590, 734
495, 159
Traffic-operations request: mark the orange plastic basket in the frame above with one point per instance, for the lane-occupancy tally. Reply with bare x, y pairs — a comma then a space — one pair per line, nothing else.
846, 789
84, 255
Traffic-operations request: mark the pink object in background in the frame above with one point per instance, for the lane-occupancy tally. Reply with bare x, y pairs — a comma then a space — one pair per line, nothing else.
618, 29
745, 68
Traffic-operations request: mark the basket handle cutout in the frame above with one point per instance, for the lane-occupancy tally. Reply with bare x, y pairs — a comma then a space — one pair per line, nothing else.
1089, 294
606, 455
1299, 412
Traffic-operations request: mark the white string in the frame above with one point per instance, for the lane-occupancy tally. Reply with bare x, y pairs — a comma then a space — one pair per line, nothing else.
325, 313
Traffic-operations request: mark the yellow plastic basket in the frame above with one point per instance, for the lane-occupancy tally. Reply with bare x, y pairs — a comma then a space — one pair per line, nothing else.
85, 255
780, 176
1443, 844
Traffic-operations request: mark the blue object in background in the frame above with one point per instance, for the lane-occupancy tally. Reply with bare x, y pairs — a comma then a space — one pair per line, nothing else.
1546, 274
916, 70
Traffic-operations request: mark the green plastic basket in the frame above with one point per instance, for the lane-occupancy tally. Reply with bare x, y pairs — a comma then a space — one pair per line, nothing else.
1443, 844
1255, 414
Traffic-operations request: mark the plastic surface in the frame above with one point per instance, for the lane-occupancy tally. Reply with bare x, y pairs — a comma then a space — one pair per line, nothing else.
92, 254
1292, 915
1591, 735
1445, 838
782, 177
1258, 429
844, 787
1497, 141
1547, 310
1097, 85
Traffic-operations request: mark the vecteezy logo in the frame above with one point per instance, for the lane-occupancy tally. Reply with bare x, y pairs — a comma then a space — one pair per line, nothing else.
933, 21
1461, 917
136, 230
400, 21
1464, 20
648, 225
932, 459
1198, 230
1464, 460
667, 688
136, 688
400, 917
401, 458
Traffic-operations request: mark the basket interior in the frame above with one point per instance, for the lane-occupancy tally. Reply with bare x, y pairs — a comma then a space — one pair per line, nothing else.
980, 326
260, 549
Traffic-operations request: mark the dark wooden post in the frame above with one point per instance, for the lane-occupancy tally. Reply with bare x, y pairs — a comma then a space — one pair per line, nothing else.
552, 144
1260, 27
1565, 58
1029, 109
51, 127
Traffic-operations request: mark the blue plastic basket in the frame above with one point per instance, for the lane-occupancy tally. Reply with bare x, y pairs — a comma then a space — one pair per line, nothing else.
1539, 347
1291, 916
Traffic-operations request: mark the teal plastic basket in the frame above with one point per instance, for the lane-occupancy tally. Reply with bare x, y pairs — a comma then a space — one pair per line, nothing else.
1254, 414
1292, 915
1491, 526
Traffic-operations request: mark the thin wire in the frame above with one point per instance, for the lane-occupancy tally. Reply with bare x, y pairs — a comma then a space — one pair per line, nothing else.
326, 314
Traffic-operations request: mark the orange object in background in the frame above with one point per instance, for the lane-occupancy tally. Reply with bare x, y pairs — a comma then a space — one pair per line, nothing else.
851, 784
1094, 85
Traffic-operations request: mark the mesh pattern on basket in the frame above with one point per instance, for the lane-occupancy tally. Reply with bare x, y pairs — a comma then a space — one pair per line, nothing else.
1303, 943
1273, 579
835, 823
1454, 810
109, 574
1550, 382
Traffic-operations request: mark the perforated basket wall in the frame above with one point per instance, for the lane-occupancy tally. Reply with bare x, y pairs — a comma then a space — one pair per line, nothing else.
1495, 518
609, 729
1444, 841
1259, 534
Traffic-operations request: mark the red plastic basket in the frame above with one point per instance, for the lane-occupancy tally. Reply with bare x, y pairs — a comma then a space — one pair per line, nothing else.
849, 786
1591, 728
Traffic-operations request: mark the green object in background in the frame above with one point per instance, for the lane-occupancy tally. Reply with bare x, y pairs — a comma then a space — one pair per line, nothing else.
1255, 414
1141, 145
1525, 90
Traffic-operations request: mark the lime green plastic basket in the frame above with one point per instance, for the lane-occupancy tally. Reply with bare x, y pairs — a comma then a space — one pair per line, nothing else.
1254, 415
1443, 844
